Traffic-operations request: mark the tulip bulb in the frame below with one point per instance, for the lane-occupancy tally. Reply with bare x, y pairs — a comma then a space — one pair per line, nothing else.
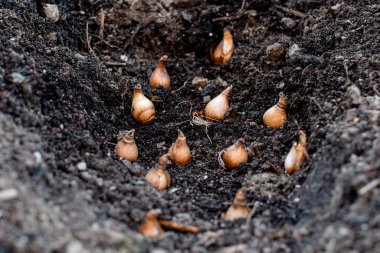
218, 107
126, 148
234, 155
239, 208
160, 77
143, 110
179, 152
221, 53
297, 155
151, 226
275, 117
159, 177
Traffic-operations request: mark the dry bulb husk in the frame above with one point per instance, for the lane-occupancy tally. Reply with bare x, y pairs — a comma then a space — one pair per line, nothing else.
297, 155
221, 53
159, 177
234, 155
143, 110
239, 208
275, 117
151, 227
179, 152
218, 107
126, 147
160, 77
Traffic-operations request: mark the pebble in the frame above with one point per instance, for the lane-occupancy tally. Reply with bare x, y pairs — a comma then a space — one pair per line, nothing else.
206, 99
161, 144
200, 82
293, 50
85, 176
82, 166
16, 78
52, 36
288, 23
275, 51
74, 247
51, 12
8, 194
353, 93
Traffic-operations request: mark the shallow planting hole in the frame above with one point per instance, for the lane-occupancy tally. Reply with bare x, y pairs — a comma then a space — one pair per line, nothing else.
68, 72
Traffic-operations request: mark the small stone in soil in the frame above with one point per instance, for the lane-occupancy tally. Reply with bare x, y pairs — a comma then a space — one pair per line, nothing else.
288, 23
275, 51
200, 82
51, 12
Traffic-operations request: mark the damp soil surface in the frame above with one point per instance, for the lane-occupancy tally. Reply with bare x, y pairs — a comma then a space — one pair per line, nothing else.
65, 98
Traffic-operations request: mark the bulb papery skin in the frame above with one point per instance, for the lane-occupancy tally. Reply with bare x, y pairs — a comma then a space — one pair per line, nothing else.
143, 110
179, 152
158, 177
160, 76
297, 155
221, 53
235, 155
239, 208
126, 147
218, 107
151, 227
275, 117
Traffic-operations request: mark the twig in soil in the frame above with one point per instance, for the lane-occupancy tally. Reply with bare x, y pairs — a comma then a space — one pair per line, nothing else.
346, 69
101, 30
116, 64
88, 42
183, 86
291, 11
179, 227
253, 211
111, 143
130, 42
220, 159
368, 187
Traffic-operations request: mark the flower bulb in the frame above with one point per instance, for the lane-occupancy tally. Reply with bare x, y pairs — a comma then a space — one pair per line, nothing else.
160, 77
275, 117
221, 53
297, 155
179, 152
234, 155
151, 226
218, 107
239, 208
159, 177
126, 148
143, 110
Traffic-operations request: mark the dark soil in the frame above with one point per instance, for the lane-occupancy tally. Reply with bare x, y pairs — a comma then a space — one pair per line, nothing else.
65, 97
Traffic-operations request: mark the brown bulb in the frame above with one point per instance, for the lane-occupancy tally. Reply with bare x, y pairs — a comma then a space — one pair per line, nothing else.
221, 53
159, 177
234, 155
151, 227
297, 155
160, 77
126, 148
179, 152
275, 117
218, 107
143, 110
239, 208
